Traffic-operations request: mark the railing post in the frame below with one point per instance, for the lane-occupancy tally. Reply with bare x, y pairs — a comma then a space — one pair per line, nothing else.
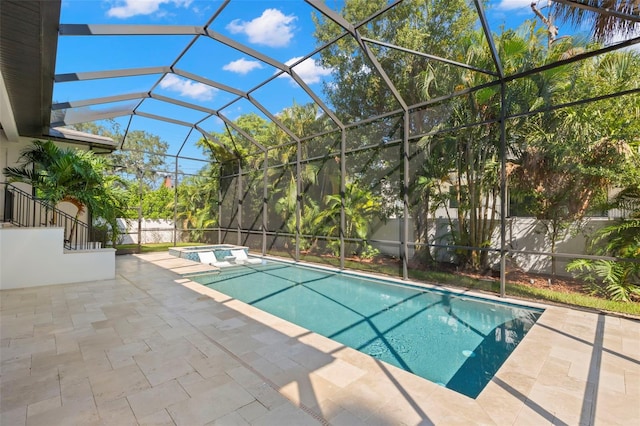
20, 209
33, 218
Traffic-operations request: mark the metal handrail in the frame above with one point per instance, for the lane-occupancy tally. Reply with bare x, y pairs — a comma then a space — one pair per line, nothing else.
22, 209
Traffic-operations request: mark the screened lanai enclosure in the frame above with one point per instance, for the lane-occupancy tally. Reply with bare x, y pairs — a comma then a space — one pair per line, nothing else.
396, 136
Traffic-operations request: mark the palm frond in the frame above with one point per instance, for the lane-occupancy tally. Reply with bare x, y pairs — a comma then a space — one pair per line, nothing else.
604, 27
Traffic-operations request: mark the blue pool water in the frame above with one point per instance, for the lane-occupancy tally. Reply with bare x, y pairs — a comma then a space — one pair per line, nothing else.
458, 342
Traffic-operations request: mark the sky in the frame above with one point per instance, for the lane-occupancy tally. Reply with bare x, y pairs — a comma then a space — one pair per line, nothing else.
280, 29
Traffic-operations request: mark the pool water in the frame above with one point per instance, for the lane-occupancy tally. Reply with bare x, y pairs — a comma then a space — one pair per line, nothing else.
458, 342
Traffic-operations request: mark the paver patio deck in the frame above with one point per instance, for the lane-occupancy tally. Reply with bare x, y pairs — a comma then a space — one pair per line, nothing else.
151, 347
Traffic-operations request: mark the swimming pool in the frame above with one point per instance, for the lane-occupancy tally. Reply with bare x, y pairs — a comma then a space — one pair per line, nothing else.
456, 341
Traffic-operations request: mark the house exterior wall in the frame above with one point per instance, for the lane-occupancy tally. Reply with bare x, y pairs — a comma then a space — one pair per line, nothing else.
9, 153
31, 257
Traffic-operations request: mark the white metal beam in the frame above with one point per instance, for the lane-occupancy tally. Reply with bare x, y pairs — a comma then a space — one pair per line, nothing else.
97, 101
96, 75
85, 118
182, 103
127, 29
162, 118
208, 82
245, 49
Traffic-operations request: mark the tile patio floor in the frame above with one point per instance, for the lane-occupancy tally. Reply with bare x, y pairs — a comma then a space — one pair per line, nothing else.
153, 348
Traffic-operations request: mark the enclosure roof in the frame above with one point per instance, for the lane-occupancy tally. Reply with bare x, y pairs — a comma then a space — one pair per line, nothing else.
187, 69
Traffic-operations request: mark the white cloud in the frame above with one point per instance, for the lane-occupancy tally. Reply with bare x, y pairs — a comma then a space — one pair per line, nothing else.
272, 28
309, 70
129, 8
242, 66
187, 88
513, 4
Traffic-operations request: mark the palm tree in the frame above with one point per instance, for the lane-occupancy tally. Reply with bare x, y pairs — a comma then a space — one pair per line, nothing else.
50, 170
604, 26
617, 280
572, 156
300, 120
471, 155
360, 208
195, 206
68, 175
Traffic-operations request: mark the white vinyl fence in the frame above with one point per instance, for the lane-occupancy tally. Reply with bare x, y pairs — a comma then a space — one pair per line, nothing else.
523, 234
152, 231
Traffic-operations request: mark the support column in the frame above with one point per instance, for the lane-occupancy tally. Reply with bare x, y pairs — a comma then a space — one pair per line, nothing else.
219, 203
175, 204
239, 215
298, 198
343, 193
265, 205
405, 196
140, 190
503, 192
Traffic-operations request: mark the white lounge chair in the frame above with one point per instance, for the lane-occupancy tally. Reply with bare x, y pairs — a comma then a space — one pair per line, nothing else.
207, 257
241, 257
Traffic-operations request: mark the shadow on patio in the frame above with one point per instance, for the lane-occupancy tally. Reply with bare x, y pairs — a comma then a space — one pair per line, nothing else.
154, 347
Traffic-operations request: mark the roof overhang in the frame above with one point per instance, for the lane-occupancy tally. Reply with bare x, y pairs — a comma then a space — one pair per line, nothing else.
28, 45
63, 134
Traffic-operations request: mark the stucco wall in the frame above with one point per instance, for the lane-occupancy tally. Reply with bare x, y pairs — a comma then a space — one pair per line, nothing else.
31, 257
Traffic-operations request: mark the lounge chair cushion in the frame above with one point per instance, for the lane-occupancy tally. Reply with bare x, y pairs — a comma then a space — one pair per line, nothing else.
239, 254
207, 257
241, 257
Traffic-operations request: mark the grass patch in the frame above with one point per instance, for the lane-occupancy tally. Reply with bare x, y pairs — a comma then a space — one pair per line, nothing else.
484, 285
573, 299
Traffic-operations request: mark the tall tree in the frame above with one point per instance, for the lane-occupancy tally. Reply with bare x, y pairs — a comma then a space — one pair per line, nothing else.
110, 129
357, 91
290, 179
196, 206
142, 156
232, 153
571, 157
468, 159
139, 165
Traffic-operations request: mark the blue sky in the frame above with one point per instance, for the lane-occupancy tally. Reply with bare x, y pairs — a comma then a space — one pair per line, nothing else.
280, 29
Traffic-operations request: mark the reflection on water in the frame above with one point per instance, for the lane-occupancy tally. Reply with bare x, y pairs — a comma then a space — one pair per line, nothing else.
456, 341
